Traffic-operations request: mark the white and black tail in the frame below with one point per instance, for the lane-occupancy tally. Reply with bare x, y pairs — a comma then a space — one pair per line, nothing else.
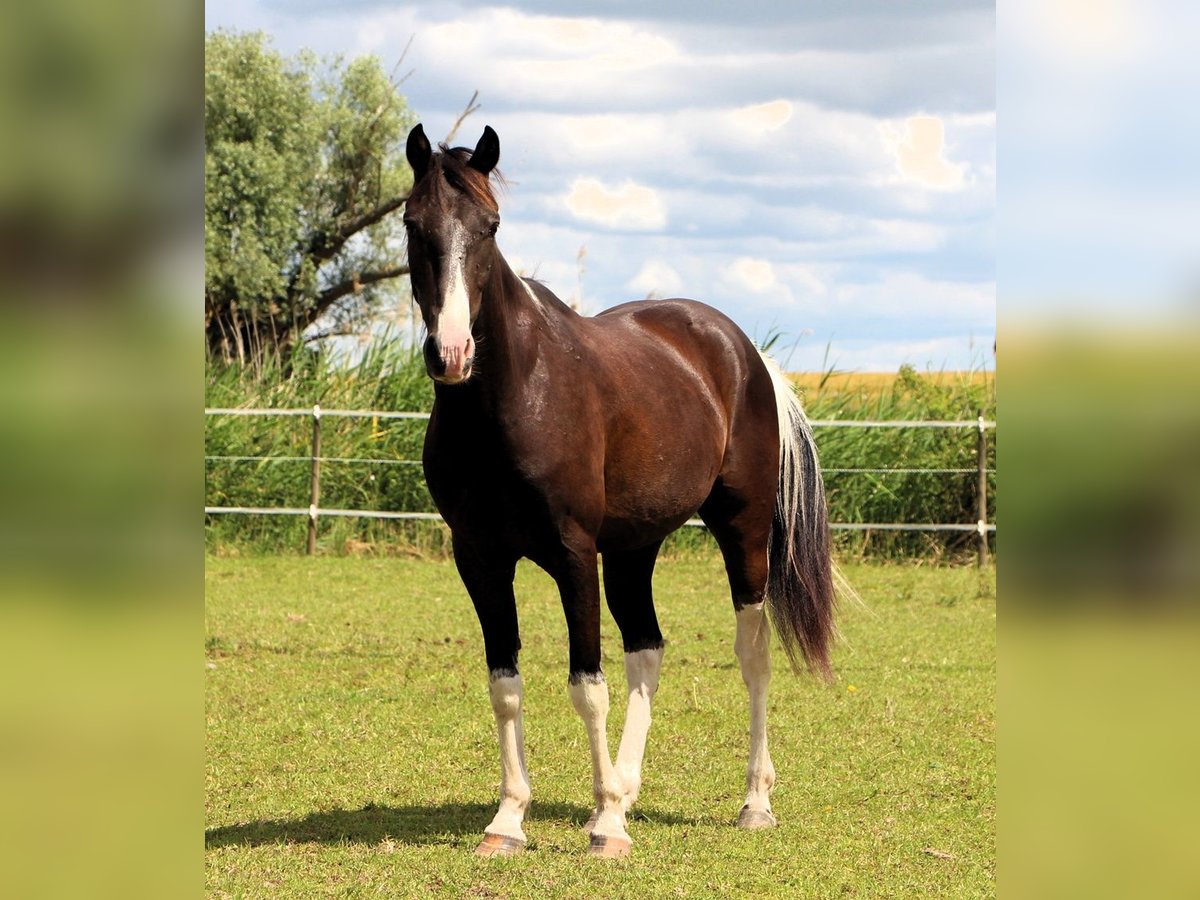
800, 590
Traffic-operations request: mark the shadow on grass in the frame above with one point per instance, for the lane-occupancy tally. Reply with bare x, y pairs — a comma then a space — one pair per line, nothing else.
440, 824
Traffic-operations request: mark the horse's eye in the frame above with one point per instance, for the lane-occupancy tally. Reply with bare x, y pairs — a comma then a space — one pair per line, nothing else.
493, 228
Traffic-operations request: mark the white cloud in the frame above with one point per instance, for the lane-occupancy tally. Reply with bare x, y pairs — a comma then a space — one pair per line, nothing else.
763, 116
657, 279
543, 57
909, 297
811, 146
630, 205
1091, 33
920, 153
754, 284
803, 277
757, 275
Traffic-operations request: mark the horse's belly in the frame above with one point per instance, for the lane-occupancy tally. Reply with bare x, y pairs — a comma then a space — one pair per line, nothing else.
648, 502
627, 534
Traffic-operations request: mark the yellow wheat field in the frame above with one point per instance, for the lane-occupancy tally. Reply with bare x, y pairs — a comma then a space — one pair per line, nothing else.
867, 385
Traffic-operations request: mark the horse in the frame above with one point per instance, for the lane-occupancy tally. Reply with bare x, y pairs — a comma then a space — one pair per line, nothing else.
562, 439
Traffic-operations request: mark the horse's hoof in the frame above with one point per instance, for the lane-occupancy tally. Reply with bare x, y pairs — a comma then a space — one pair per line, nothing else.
609, 847
752, 819
499, 845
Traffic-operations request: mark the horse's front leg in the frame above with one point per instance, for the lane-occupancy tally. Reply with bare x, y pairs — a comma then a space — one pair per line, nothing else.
490, 584
627, 588
579, 584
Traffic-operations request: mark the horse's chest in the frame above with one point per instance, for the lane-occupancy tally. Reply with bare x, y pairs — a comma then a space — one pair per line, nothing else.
481, 487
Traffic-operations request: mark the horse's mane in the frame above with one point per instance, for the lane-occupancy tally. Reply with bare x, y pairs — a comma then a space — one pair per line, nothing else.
454, 168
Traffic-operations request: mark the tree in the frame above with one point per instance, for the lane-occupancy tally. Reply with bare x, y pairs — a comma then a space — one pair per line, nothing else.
304, 164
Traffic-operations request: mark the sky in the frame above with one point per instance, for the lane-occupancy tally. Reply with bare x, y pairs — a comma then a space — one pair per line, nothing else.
1098, 219
823, 171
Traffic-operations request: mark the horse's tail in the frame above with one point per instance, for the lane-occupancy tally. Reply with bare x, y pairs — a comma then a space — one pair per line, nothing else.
800, 590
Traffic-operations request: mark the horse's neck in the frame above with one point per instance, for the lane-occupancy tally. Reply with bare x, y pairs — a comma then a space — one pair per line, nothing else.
514, 323
505, 315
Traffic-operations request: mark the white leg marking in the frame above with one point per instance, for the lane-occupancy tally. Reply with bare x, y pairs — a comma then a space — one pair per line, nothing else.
590, 700
507, 693
753, 649
641, 674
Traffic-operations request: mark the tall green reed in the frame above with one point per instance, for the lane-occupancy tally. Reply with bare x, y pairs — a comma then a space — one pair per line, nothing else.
881, 496
388, 376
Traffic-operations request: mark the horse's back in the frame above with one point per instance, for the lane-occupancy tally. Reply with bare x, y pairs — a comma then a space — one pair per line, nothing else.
686, 341
676, 318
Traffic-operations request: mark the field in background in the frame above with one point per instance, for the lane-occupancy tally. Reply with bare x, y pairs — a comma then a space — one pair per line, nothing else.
388, 378
351, 749
869, 387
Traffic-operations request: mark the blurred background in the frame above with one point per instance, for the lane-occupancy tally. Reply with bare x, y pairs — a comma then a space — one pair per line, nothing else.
101, 274
1098, 273
101, 356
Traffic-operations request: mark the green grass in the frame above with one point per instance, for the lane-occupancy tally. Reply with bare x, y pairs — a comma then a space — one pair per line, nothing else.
351, 749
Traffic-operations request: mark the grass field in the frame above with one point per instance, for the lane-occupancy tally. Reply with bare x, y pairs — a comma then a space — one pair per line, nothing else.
351, 749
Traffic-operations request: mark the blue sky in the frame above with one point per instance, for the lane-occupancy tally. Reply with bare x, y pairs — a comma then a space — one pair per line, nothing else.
825, 171
1098, 213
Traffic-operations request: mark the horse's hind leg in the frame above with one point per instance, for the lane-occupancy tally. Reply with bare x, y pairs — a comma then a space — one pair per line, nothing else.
627, 577
742, 531
753, 648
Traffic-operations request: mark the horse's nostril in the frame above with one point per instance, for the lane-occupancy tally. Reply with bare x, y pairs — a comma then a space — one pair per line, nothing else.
434, 363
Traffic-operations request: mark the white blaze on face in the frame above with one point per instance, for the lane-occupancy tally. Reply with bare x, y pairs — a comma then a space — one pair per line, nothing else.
454, 320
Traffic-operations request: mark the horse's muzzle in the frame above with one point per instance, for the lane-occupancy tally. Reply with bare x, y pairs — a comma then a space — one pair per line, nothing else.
450, 362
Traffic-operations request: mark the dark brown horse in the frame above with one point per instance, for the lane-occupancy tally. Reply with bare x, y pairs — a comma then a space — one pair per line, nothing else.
561, 438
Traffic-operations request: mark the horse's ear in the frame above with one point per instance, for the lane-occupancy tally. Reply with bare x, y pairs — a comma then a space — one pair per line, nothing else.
487, 152
419, 152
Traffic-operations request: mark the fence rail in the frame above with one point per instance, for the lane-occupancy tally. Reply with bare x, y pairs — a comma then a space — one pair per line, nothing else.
314, 511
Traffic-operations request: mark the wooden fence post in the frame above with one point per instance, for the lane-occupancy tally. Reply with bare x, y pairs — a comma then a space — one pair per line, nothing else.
981, 492
314, 500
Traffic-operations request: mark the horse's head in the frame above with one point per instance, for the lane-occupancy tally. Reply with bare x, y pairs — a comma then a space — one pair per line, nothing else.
451, 218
